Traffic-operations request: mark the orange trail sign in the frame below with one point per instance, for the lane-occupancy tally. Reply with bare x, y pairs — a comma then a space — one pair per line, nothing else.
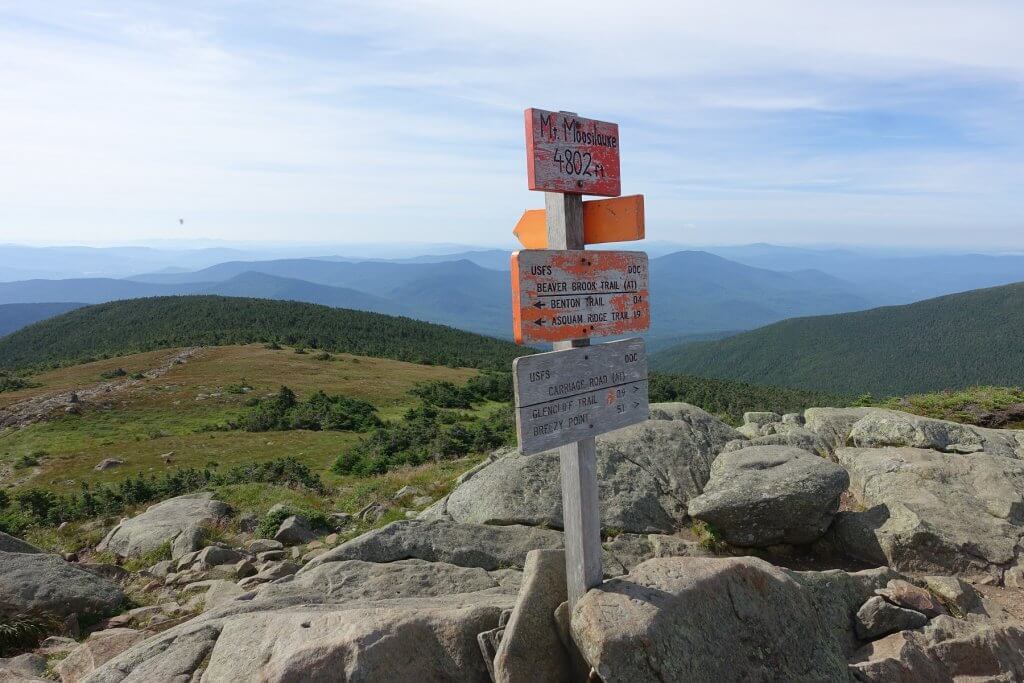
604, 220
558, 295
564, 396
568, 153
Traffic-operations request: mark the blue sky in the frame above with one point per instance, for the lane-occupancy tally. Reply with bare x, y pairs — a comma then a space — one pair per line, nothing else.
876, 123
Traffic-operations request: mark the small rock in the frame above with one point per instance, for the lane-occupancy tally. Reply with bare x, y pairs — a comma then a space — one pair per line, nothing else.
331, 539
214, 555
186, 560
956, 593
407, 492
270, 556
276, 508
108, 463
372, 513
277, 570
421, 501
260, 545
296, 553
293, 531
877, 618
189, 540
316, 552
98, 648
244, 569
905, 594
313, 545
341, 518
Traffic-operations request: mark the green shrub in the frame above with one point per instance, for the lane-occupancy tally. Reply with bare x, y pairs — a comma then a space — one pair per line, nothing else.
22, 632
113, 374
5, 499
491, 386
271, 522
318, 412
26, 460
13, 383
37, 506
425, 433
14, 522
443, 394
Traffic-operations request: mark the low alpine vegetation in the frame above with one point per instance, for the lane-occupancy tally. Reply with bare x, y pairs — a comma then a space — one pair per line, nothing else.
38, 506
426, 433
320, 412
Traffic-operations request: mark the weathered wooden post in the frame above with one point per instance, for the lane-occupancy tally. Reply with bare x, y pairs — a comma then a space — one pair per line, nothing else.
565, 295
581, 513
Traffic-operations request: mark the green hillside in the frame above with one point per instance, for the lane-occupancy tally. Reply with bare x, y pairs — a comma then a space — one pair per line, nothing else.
951, 342
123, 327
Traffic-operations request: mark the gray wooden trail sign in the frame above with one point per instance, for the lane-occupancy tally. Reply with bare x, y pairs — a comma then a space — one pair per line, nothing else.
564, 396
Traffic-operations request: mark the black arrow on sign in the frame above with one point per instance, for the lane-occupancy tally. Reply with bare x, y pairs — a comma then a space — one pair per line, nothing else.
539, 321
539, 304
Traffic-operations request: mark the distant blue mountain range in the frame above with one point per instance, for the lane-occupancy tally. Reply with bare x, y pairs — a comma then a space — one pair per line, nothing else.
693, 292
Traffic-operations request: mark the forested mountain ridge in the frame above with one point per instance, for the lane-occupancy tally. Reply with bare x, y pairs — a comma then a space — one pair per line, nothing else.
16, 316
135, 325
949, 342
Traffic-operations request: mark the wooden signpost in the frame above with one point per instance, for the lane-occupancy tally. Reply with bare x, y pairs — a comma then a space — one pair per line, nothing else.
562, 294
620, 219
567, 397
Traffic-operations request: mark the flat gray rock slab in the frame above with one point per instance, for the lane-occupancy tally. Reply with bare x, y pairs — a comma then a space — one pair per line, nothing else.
645, 472
37, 581
334, 582
429, 644
767, 495
284, 639
932, 512
162, 523
465, 545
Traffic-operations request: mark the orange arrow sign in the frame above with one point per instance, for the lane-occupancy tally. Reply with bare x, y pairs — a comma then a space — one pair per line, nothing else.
620, 219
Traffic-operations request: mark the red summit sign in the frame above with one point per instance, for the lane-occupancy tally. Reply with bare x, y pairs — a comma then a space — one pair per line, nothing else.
568, 153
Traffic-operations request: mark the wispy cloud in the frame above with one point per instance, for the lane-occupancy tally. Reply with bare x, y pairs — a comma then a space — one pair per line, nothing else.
323, 121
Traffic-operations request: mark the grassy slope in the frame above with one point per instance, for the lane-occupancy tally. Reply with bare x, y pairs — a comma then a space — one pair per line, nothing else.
950, 342
164, 414
123, 327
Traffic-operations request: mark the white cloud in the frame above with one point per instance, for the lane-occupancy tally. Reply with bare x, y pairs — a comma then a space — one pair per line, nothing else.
779, 121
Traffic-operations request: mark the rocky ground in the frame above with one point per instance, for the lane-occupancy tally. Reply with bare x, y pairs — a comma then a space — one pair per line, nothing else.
843, 544
44, 406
